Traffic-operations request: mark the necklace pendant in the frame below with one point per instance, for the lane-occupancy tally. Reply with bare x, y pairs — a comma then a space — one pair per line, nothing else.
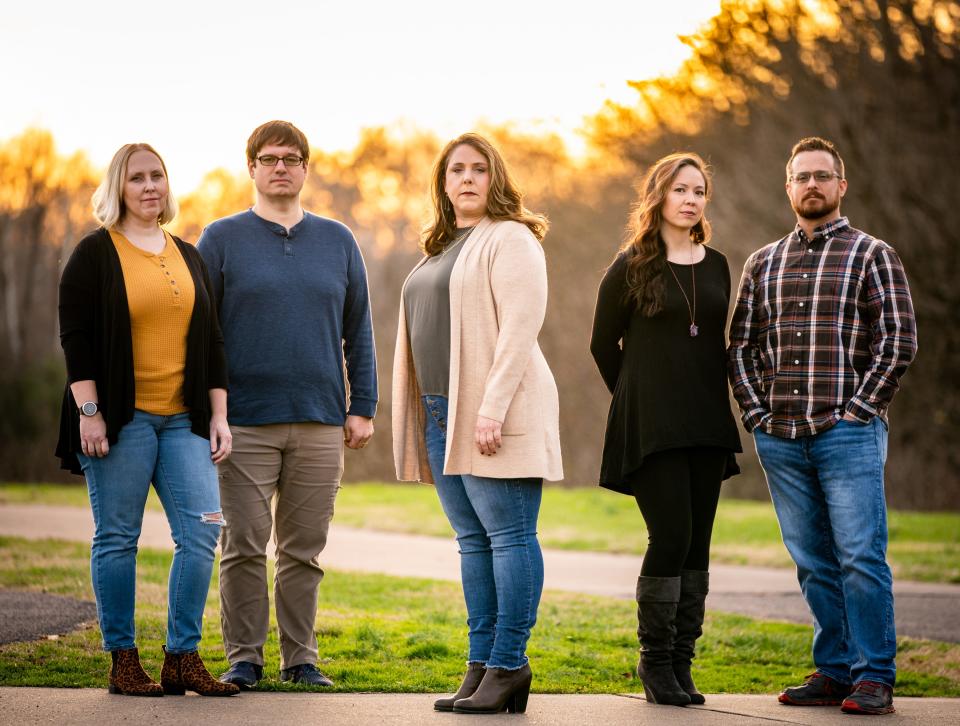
694, 330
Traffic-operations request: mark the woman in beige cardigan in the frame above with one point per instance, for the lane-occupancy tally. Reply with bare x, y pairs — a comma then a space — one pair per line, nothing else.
475, 406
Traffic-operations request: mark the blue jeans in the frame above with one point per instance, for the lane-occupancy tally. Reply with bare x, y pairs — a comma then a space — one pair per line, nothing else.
161, 449
827, 490
501, 565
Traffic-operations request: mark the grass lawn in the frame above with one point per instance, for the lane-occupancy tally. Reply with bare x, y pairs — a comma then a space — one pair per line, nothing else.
380, 633
923, 546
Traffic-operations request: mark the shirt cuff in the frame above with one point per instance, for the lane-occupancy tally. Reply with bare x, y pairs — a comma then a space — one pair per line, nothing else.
362, 407
753, 418
860, 410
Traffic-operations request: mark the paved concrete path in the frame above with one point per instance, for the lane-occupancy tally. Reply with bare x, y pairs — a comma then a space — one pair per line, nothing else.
924, 610
65, 707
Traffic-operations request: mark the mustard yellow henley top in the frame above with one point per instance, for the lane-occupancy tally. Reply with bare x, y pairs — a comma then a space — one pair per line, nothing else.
160, 295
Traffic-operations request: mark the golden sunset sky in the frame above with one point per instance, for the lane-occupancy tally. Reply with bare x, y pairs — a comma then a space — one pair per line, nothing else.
194, 78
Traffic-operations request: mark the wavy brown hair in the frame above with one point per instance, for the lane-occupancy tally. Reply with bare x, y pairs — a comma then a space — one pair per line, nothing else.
644, 247
504, 198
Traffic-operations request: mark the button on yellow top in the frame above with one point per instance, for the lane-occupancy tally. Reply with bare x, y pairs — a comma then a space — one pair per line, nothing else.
160, 295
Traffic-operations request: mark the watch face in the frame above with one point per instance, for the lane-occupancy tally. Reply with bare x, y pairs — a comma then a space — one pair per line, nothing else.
89, 408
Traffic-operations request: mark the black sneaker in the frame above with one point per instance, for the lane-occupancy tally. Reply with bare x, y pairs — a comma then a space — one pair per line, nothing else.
243, 674
869, 697
817, 690
305, 673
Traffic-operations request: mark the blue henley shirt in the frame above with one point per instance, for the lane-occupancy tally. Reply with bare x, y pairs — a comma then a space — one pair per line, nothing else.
294, 306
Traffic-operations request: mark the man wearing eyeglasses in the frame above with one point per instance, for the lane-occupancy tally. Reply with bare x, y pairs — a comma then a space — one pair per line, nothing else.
822, 332
295, 311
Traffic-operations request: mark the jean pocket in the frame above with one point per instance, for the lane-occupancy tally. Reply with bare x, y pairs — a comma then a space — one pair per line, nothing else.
856, 423
436, 413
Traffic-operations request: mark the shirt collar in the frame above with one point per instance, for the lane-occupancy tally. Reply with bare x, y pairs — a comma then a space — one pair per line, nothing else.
824, 231
279, 229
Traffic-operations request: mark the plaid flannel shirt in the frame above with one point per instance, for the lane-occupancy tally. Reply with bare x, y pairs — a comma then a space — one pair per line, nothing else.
822, 327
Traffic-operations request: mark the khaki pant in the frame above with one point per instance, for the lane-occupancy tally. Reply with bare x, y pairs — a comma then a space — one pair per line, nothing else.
300, 464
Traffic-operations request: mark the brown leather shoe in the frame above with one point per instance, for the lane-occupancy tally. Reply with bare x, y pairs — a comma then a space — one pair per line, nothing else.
500, 690
471, 681
817, 690
127, 676
186, 671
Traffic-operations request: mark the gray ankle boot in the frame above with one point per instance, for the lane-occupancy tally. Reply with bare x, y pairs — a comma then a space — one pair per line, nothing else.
500, 690
657, 599
471, 681
694, 585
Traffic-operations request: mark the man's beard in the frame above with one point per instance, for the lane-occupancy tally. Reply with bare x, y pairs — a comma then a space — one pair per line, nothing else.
820, 208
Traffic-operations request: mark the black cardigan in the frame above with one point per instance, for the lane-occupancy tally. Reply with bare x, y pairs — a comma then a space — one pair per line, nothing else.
98, 346
669, 389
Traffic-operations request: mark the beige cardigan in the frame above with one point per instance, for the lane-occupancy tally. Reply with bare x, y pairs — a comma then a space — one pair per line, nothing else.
498, 297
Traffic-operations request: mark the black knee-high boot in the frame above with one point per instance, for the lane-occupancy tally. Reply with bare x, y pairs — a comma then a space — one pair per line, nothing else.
694, 585
657, 599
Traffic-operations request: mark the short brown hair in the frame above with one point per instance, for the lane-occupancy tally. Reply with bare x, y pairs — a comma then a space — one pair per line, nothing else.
282, 133
815, 143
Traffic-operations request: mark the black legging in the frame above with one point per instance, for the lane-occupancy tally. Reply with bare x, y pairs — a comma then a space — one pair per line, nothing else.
677, 492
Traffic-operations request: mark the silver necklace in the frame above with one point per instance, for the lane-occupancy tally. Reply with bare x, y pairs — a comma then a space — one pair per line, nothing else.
459, 239
691, 309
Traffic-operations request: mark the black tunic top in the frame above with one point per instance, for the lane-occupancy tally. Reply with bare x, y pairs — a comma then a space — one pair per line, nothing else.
669, 388
97, 343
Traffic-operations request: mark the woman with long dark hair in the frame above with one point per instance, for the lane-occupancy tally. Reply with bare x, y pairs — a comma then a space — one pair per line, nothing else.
475, 406
659, 342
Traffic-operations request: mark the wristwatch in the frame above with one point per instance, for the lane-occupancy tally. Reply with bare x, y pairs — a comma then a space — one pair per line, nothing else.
89, 408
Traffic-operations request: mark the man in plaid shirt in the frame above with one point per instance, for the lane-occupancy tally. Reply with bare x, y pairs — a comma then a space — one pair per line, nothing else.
822, 332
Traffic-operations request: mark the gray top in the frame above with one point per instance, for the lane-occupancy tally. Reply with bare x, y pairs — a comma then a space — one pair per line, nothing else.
426, 300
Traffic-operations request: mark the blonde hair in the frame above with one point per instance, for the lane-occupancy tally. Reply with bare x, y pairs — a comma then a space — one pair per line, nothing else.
108, 206
645, 249
504, 198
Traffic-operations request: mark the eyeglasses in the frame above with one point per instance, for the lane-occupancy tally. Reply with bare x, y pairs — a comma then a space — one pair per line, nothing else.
822, 177
288, 161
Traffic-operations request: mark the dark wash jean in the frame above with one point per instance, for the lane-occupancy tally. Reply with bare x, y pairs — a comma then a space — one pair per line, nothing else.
501, 565
827, 490
162, 450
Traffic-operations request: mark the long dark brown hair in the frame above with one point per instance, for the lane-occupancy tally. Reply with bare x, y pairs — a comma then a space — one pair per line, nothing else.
504, 198
644, 247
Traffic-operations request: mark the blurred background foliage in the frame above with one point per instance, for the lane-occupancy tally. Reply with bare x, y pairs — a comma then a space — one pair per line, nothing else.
882, 79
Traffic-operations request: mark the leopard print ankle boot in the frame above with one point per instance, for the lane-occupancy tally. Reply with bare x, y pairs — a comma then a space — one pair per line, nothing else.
186, 671
127, 676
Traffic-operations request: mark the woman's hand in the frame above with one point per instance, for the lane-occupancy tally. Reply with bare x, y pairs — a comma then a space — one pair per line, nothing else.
93, 429
221, 440
93, 435
487, 436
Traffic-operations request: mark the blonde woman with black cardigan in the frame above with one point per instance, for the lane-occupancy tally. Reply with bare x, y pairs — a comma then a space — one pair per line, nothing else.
659, 342
475, 407
146, 401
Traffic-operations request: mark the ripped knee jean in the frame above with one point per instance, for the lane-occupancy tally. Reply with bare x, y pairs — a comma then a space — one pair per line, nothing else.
163, 451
